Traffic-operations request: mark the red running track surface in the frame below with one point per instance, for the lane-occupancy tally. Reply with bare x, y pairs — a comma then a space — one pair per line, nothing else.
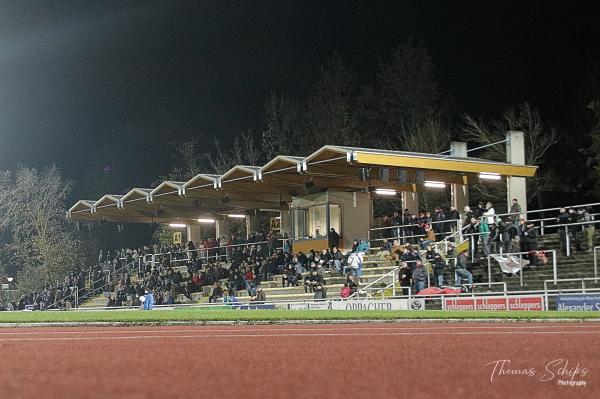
386, 360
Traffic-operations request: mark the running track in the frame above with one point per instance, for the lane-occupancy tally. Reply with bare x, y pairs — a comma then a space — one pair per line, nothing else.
387, 360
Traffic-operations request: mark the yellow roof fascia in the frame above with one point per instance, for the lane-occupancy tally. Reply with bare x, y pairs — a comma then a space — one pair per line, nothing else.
447, 164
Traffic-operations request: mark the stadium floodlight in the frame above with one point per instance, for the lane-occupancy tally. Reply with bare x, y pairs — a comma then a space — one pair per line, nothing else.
206, 220
434, 184
385, 191
489, 176
236, 215
178, 225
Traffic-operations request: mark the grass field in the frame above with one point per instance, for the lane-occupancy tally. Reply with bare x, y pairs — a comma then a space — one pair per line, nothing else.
200, 315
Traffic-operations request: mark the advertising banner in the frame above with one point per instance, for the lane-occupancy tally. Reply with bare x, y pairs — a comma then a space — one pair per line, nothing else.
362, 304
385, 304
578, 302
495, 303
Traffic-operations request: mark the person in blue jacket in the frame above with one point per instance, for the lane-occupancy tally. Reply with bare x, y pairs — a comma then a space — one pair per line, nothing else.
149, 301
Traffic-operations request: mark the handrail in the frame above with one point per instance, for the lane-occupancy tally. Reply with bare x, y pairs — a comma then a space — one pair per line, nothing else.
391, 273
413, 225
75, 293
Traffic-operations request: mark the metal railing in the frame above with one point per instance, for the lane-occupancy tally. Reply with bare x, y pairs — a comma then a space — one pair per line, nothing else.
379, 280
566, 280
401, 229
220, 252
434, 298
543, 221
568, 236
75, 294
596, 263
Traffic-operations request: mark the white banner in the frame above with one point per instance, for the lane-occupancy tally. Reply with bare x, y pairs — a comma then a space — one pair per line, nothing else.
385, 304
361, 304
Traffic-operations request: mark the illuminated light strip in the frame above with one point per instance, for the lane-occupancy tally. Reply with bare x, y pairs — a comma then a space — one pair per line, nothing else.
490, 176
434, 184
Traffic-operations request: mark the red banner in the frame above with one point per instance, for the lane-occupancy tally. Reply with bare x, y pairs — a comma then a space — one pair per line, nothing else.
495, 303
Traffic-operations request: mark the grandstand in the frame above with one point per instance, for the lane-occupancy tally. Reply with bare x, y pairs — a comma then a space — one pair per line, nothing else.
332, 190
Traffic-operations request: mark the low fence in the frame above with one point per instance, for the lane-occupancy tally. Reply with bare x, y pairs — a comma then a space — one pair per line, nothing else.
490, 300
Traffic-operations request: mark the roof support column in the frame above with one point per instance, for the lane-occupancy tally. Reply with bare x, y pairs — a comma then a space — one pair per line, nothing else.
286, 222
410, 201
194, 233
251, 225
459, 193
516, 187
222, 228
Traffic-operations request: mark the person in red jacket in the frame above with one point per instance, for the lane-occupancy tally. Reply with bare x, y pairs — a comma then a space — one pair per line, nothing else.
249, 281
345, 292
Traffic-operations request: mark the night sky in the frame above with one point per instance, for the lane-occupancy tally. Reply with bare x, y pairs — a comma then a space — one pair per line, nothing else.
87, 84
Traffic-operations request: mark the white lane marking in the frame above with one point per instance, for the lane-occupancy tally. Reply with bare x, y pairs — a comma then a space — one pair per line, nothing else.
308, 329
333, 334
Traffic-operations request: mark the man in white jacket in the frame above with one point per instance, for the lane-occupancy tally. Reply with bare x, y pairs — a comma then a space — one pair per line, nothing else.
490, 213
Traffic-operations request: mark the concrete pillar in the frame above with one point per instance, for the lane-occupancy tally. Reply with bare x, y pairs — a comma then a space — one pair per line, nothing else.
251, 225
286, 222
459, 193
410, 201
221, 228
194, 233
516, 187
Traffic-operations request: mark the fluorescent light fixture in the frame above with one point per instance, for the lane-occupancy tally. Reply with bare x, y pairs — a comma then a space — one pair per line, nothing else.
206, 220
178, 225
236, 215
278, 217
434, 184
385, 191
489, 176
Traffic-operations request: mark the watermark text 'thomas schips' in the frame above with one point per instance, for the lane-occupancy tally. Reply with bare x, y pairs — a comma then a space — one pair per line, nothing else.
562, 371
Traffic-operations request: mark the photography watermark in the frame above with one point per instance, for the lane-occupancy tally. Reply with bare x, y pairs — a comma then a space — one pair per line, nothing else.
561, 372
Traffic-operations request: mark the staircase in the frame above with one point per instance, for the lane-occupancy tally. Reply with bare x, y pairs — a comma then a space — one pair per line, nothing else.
578, 265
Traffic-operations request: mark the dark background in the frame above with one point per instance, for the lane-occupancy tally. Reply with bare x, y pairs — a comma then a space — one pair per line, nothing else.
86, 85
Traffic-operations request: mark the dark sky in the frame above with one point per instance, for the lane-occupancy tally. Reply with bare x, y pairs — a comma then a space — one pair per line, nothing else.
86, 84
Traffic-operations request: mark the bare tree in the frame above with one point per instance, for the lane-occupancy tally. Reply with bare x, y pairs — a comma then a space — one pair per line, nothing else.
282, 119
38, 243
33, 201
538, 139
242, 152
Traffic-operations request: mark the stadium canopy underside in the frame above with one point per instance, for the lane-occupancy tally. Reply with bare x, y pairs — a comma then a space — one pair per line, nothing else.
272, 186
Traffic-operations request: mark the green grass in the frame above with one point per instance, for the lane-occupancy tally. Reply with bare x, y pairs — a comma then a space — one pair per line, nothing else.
200, 315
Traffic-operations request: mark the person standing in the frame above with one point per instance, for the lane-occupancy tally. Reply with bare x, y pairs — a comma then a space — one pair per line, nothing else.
438, 269
452, 218
589, 229
562, 219
515, 210
530, 243
461, 269
439, 226
419, 277
334, 239
405, 276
